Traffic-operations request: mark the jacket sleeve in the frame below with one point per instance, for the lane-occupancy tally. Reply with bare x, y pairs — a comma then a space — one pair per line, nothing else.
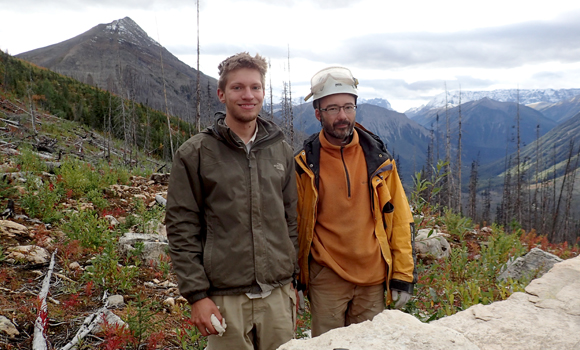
401, 240
290, 201
185, 224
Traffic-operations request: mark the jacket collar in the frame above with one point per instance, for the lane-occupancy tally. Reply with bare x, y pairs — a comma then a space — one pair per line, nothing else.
267, 132
373, 147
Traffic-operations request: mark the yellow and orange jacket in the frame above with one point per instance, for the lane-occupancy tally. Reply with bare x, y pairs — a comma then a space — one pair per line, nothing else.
394, 226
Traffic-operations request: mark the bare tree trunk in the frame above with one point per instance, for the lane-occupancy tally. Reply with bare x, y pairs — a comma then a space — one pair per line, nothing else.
165, 97
567, 233
472, 212
535, 223
198, 86
271, 92
448, 153
518, 206
209, 118
31, 101
557, 236
291, 112
459, 206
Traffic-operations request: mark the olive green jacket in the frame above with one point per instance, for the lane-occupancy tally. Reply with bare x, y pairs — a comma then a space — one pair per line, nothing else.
231, 215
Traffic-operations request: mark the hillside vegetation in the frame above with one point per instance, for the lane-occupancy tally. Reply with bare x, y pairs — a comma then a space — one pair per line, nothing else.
76, 191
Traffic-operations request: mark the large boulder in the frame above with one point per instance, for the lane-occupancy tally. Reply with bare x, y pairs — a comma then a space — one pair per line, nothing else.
389, 330
546, 316
534, 264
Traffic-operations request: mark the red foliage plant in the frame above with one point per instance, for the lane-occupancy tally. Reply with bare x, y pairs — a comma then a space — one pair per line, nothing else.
116, 336
71, 302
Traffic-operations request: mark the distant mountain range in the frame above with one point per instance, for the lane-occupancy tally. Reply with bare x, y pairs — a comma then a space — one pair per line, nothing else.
487, 127
121, 57
525, 97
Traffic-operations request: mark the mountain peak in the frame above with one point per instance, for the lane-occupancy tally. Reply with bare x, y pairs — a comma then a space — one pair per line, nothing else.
129, 31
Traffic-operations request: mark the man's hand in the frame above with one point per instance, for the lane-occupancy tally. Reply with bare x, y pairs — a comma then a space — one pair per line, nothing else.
201, 312
401, 298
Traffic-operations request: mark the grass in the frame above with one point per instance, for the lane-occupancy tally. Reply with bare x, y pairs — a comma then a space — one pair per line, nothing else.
77, 197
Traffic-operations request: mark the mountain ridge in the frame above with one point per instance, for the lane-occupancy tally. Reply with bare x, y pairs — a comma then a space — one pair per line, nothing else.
120, 57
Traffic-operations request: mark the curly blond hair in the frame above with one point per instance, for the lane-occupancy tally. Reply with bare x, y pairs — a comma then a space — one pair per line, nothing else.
241, 60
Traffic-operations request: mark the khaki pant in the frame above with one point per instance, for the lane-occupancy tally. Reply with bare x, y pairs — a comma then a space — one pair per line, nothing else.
336, 303
256, 324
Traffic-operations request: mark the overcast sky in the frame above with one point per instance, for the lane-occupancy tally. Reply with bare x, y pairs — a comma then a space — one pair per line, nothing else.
403, 51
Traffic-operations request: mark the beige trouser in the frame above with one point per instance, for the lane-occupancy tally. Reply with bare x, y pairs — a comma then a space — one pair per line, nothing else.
256, 324
336, 303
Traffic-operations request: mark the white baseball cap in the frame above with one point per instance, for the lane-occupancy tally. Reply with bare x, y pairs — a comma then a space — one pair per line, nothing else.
330, 81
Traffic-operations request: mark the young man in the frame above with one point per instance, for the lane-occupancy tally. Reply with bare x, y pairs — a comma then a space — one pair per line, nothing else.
231, 218
354, 222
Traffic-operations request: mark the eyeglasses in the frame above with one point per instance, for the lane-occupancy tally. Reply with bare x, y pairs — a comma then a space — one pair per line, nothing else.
334, 110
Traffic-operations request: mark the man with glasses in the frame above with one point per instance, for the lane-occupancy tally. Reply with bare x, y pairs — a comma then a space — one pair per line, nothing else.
355, 228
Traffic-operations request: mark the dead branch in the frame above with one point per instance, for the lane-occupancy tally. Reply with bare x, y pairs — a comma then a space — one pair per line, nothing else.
88, 325
39, 341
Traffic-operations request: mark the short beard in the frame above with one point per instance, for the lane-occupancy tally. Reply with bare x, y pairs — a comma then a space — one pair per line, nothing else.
339, 135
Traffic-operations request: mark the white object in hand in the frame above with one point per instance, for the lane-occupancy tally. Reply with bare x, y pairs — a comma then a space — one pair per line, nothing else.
400, 298
220, 328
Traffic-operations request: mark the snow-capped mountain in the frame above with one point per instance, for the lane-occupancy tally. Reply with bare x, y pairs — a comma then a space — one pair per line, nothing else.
509, 95
381, 102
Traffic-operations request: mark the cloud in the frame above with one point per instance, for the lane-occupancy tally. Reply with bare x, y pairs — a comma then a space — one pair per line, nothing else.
37, 6
497, 47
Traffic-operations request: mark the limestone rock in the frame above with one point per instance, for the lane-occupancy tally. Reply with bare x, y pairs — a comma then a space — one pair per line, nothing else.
112, 221
11, 229
29, 253
536, 261
389, 330
112, 320
159, 178
431, 244
8, 328
547, 316
116, 301
154, 246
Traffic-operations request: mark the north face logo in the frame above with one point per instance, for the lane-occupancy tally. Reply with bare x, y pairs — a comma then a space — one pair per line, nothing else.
279, 166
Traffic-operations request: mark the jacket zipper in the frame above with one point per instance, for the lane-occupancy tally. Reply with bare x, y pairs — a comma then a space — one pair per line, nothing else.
345, 170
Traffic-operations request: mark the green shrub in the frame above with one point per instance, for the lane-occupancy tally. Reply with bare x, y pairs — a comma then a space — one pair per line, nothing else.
90, 230
41, 200
463, 280
457, 225
107, 273
28, 161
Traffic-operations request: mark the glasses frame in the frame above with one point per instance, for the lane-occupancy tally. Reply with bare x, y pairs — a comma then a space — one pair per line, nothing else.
339, 108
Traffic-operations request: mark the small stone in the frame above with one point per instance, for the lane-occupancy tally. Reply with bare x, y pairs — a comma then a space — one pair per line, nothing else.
170, 302
116, 301
7, 327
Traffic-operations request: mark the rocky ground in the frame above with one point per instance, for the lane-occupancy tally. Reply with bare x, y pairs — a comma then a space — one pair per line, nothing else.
148, 300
